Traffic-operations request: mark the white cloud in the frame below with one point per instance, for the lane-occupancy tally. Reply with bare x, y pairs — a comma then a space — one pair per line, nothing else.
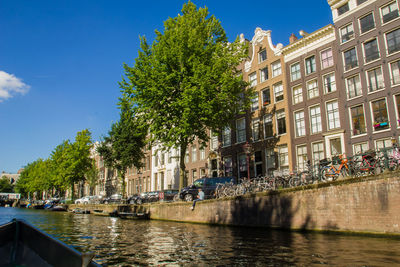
11, 85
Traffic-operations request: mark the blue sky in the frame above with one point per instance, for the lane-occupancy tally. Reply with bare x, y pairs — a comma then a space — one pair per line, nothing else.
61, 61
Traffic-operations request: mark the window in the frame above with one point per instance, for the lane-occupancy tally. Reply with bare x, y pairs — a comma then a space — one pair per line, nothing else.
270, 160
255, 128
384, 143
393, 41
202, 153
283, 156
350, 59
300, 123
228, 166
360, 148
268, 130
317, 152
295, 72
263, 74
187, 157
297, 94
343, 9
315, 119
371, 51
266, 96
347, 33
258, 163
389, 12
301, 158
397, 97
281, 122
374, 79
332, 110
226, 137
312, 89
242, 160
380, 115
358, 120
262, 56
254, 102
253, 79
214, 141
395, 72
310, 65
367, 23
240, 130
278, 92
194, 153
194, 174
329, 83
276, 68
353, 86
326, 58
359, 2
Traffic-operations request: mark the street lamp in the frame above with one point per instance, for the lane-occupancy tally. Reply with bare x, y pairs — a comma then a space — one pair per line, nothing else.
247, 150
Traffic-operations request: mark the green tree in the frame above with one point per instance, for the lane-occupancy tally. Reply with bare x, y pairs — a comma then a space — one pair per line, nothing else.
123, 147
187, 81
5, 185
60, 163
78, 159
92, 176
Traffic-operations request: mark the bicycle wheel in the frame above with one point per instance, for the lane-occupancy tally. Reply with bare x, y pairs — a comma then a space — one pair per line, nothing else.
295, 181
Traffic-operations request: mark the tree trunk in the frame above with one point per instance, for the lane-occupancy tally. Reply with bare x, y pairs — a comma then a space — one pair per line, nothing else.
122, 175
182, 167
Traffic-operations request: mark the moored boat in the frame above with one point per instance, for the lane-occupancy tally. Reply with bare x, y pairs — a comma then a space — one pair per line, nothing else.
133, 216
22, 244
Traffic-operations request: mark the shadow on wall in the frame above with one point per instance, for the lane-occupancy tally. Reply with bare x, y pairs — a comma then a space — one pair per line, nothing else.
267, 211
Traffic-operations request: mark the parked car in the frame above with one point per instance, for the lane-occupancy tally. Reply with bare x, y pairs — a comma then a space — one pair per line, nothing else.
84, 200
207, 184
132, 199
168, 195
116, 198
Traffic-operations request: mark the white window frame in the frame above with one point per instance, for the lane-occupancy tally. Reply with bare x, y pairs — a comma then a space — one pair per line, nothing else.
262, 74
226, 137
313, 152
386, 43
255, 129
336, 115
255, 102
333, 84
301, 162
373, 118
297, 98
278, 93
344, 60
260, 60
253, 79
358, 89
360, 144
391, 73
276, 71
315, 64
315, 89
318, 125
341, 36
279, 115
322, 60
298, 73
351, 120
363, 50
387, 5
299, 125
368, 81
363, 16
240, 130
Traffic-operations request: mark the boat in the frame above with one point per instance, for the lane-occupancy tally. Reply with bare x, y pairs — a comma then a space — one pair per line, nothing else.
104, 213
80, 211
22, 244
133, 216
58, 208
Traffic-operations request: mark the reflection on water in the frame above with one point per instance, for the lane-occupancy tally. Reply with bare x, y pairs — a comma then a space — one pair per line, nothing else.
143, 243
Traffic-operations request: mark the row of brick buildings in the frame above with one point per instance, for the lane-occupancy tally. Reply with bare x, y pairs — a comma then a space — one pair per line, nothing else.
329, 92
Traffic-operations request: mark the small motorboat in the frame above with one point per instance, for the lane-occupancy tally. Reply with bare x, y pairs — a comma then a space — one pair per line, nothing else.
58, 208
133, 216
81, 211
22, 244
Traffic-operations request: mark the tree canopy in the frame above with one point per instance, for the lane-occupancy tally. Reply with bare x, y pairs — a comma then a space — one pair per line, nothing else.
123, 147
187, 81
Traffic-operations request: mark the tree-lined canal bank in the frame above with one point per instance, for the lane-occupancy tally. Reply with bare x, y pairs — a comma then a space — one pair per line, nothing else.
147, 243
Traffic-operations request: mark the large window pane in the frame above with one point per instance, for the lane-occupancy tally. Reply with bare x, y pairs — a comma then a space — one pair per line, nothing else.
357, 120
350, 59
297, 94
312, 89
240, 130
310, 65
315, 119
295, 71
367, 23
389, 12
371, 51
347, 33
278, 91
300, 123
375, 79
327, 58
395, 72
329, 83
393, 41
353, 86
380, 115
301, 158
332, 110
268, 130
281, 122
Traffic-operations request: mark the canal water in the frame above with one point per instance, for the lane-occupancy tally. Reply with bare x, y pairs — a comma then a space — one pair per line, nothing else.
119, 242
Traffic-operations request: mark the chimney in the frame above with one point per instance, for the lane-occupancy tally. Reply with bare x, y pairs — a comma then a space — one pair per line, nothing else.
292, 38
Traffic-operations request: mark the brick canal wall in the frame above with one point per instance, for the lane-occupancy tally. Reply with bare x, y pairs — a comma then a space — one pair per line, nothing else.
366, 205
